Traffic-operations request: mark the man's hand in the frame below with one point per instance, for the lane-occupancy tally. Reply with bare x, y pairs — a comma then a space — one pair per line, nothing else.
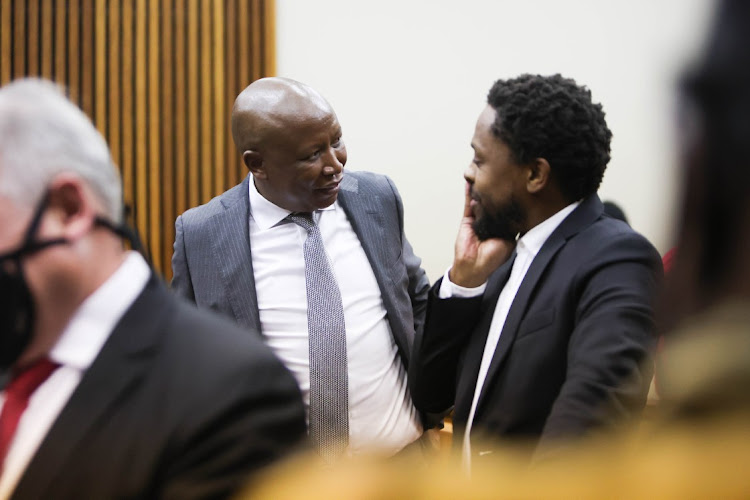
474, 260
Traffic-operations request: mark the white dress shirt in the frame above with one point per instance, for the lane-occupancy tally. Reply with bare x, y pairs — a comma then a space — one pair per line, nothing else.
382, 417
526, 249
78, 346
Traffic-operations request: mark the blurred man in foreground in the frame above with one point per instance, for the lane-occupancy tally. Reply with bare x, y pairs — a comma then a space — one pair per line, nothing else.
114, 387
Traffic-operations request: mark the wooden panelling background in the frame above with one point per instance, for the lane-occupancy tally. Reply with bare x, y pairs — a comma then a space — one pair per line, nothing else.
158, 78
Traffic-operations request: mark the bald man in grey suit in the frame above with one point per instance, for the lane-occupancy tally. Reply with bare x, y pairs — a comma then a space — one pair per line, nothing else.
239, 255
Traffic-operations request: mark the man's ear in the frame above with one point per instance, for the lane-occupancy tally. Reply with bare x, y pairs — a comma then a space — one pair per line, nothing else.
538, 175
71, 208
253, 160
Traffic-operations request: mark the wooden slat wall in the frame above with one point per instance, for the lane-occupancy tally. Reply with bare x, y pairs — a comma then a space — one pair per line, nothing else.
158, 78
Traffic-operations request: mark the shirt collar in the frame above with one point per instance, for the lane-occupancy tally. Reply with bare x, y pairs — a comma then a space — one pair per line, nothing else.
265, 213
94, 320
535, 237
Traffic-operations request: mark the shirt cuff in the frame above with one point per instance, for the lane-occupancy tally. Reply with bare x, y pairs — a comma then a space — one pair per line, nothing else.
449, 289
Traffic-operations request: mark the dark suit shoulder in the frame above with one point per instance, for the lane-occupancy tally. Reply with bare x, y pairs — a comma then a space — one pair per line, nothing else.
229, 392
197, 351
216, 347
609, 239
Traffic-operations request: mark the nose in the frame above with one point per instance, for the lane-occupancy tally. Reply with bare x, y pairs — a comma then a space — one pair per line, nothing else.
469, 173
334, 163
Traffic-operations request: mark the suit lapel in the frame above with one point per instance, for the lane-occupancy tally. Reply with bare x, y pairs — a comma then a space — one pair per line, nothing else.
475, 348
230, 234
583, 216
123, 361
362, 209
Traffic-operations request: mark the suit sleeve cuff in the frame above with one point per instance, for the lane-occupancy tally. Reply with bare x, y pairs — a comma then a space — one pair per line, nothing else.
449, 289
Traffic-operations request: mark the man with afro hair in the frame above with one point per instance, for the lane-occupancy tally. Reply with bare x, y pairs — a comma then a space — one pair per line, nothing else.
540, 331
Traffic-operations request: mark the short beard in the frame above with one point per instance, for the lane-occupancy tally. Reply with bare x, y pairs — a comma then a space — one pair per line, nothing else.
505, 223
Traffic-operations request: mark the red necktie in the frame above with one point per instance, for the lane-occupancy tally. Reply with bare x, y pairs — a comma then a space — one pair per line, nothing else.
17, 394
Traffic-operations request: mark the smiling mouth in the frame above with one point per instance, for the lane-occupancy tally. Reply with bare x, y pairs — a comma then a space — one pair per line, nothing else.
333, 188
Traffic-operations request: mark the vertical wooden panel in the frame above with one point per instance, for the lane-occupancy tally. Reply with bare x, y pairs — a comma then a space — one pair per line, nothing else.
268, 18
127, 166
193, 104
6, 47
19, 38
154, 184
100, 67
181, 139
244, 42
115, 99
141, 158
256, 31
47, 34
73, 51
244, 76
167, 131
206, 114
87, 56
218, 93
230, 88
61, 64
33, 36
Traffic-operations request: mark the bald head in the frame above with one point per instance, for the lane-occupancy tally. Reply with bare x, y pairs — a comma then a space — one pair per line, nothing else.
269, 105
290, 141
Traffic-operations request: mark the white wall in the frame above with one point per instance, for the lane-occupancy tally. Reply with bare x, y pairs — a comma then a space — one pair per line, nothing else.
408, 79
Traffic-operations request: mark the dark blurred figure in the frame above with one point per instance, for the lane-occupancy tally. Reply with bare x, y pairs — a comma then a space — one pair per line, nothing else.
613, 210
116, 388
706, 311
668, 259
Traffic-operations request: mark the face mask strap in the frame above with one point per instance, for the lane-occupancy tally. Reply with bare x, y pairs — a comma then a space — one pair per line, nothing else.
31, 231
35, 246
125, 232
29, 246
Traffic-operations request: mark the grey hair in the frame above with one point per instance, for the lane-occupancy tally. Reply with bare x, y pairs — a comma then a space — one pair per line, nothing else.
43, 134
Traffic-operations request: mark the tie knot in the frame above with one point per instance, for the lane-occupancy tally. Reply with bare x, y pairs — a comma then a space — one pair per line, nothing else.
25, 382
303, 219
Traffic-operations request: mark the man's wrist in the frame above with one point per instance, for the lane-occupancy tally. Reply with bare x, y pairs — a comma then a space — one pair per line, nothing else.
465, 279
450, 289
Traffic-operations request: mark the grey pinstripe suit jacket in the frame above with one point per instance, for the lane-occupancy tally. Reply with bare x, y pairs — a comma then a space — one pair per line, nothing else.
212, 261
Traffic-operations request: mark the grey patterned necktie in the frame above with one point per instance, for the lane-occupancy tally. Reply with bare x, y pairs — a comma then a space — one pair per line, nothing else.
329, 380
